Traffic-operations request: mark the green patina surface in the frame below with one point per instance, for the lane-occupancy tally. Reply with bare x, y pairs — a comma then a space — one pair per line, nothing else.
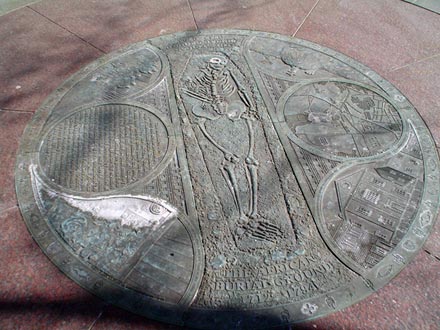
432, 5
7, 6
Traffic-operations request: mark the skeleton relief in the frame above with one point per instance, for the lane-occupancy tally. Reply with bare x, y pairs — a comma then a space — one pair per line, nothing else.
220, 102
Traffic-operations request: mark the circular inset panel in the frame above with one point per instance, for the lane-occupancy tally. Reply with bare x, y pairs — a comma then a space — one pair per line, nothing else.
103, 148
341, 119
119, 79
228, 179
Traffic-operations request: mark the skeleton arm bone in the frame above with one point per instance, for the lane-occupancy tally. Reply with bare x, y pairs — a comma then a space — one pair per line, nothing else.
244, 97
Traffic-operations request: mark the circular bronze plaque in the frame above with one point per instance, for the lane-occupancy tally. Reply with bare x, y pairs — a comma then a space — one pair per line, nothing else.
228, 179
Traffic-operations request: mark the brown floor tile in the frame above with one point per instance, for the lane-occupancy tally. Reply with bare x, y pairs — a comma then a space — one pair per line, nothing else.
114, 318
61, 315
13, 231
419, 83
12, 125
28, 275
383, 34
410, 301
34, 294
281, 16
36, 55
110, 25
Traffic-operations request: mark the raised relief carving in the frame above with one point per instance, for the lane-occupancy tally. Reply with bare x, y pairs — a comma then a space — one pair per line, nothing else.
157, 97
105, 147
139, 241
338, 119
330, 301
297, 62
219, 101
228, 179
309, 308
384, 271
372, 207
247, 173
220, 94
300, 59
117, 79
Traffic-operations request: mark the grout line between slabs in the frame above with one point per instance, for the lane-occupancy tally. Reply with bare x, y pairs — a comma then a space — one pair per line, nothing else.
305, 18
96, 320
17, 110
432, 255
52, 21
8, 209
192, 13
414, 62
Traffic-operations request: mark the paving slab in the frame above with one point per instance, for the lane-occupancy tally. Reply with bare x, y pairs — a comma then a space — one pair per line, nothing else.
59, 315
12, 124
110, 25
28, 275
419, 82
410, 301
282, 16
13, 233
33, 293
114, 318
35, 57
381, 34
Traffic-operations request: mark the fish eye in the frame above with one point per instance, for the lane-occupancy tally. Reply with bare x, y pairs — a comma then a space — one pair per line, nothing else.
216, 60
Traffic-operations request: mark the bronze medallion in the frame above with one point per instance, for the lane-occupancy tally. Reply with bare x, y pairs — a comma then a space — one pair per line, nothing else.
228, 179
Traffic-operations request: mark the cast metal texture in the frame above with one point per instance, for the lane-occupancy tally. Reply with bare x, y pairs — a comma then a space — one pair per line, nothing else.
431, 5
228, 179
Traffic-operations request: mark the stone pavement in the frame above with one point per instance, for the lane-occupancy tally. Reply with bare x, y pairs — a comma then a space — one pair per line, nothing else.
45, 42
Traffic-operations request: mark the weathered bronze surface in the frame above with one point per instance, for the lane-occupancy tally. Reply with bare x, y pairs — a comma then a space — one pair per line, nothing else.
228, 179
432, 5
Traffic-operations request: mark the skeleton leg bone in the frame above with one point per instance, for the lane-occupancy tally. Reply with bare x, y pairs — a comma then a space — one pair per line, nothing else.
228, 169
229, 183
210, 138
251, 166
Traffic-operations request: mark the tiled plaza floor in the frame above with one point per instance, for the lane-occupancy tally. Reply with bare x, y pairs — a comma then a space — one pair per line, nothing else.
44, 43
